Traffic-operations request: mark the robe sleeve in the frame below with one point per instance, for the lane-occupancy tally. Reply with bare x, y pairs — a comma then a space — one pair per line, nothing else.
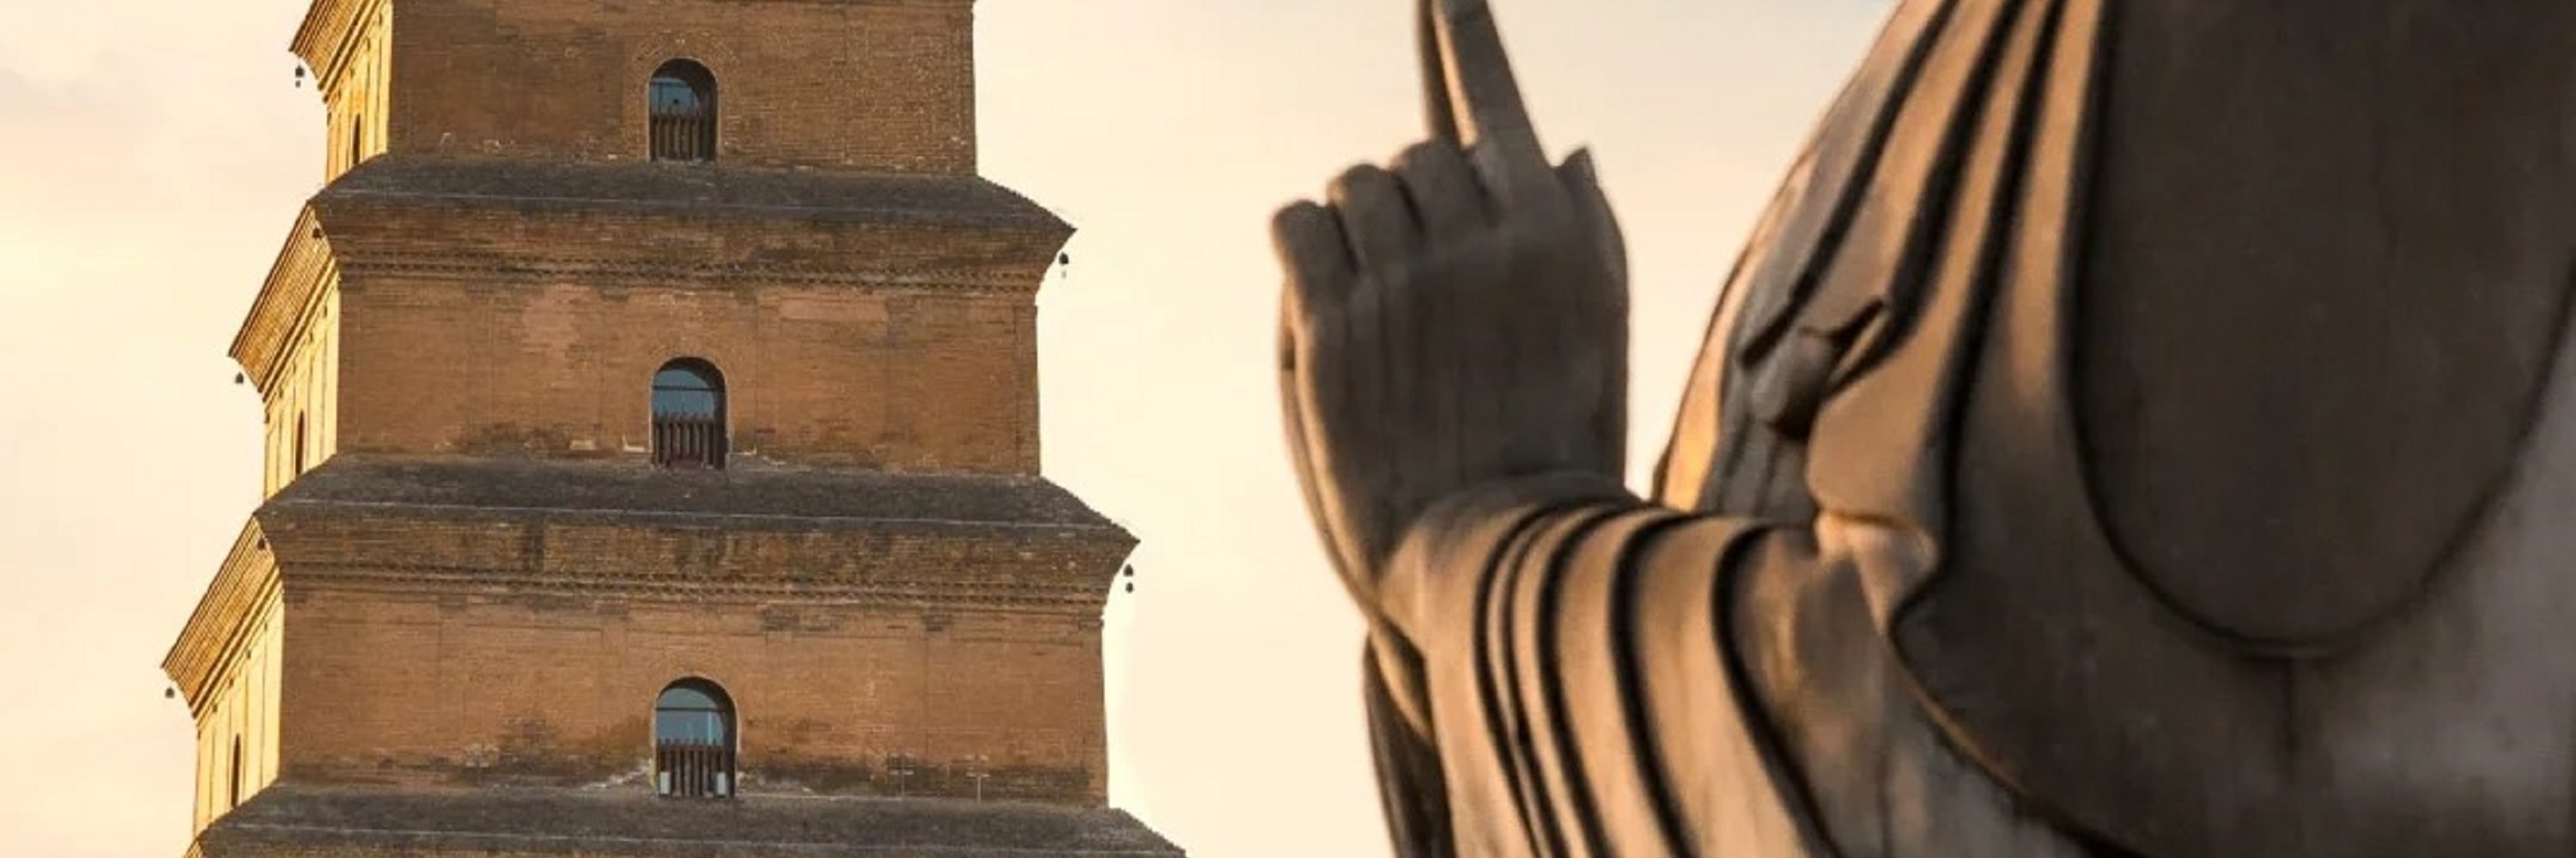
1565, 670
1555, 677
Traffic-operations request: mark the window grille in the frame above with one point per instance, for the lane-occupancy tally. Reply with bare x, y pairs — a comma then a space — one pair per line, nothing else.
693, 748
682, 101
688, 415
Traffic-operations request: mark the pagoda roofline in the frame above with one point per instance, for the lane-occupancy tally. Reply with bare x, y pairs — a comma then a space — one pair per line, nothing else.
695, 190
932, 542
329, 30
218, 630
298, 818
754, 497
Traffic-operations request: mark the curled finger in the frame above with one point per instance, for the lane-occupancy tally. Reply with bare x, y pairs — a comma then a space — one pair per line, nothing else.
1443, 189
1376, 218
1311, 247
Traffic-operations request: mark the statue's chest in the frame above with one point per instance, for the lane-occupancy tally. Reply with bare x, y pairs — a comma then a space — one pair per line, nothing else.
2327, 266
2290, 575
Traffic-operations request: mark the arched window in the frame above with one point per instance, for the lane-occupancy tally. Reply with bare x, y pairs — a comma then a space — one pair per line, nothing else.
682, 99
693, 749
688, 415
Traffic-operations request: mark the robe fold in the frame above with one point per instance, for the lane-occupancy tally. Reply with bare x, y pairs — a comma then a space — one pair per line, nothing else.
1603, 705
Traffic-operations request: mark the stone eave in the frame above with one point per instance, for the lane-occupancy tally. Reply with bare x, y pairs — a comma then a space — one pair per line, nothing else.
290, 510
723, 190
217, 630
499, 220
329, 30
1045, 230
768, 496
287, 298
1042, 568
552, 528
554, 268
293, 818
1081, 608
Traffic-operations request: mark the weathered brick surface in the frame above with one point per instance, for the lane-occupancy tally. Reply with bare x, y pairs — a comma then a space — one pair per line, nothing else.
240, 715
386, 683
919, 381
842, 84
449, 629
300, 404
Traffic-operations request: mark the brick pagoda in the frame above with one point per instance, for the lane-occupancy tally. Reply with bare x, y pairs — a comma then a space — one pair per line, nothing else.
652, 457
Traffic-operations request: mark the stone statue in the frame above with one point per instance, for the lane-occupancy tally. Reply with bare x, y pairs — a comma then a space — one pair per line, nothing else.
2136, 428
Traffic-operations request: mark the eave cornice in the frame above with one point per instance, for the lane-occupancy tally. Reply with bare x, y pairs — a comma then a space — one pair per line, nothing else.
548, 269
287, 300
329, 32
1053, 569
219, 629
367, 246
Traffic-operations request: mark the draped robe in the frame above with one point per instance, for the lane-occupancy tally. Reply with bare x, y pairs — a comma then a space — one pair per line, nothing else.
2132, 430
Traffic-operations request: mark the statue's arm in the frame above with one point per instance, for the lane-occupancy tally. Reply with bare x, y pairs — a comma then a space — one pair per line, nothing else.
1566, 658
1579, 663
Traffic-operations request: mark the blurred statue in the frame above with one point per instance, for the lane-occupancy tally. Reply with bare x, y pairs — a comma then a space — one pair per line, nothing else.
2136, 428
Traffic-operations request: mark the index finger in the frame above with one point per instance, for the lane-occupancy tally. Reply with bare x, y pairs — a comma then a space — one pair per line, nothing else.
1467, 78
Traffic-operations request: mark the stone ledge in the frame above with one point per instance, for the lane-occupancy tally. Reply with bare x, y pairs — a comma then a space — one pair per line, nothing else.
691, 190
309, 820
216, 632
920, 541
780, 495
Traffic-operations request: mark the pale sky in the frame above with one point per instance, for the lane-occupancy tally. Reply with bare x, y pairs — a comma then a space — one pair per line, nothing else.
153, 154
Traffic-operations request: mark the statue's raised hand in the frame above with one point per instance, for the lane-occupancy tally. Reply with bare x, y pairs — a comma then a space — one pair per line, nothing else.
1455, 319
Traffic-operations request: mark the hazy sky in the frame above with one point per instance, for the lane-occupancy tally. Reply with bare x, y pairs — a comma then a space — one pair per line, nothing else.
153, 154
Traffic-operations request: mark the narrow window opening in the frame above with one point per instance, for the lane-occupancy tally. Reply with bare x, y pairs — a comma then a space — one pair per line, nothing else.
299, 446
233, 792
693, 741
682, 103
688, 415
357, 139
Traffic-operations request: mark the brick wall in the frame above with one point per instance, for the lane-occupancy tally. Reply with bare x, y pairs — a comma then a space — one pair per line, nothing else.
360, 99
241, 712
815, 375
849, 84
301, 406
390, 684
